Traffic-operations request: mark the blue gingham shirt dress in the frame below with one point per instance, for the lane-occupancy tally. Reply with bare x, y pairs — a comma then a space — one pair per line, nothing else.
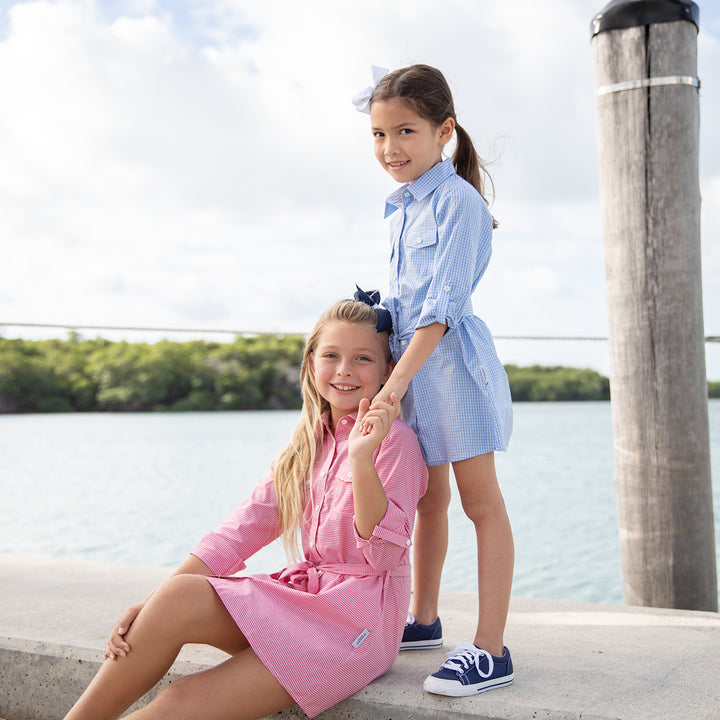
459, 402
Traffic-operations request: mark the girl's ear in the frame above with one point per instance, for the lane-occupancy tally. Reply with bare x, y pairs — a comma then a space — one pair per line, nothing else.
446, 131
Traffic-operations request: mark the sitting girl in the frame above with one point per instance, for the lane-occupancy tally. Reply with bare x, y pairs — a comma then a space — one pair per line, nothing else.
318, 631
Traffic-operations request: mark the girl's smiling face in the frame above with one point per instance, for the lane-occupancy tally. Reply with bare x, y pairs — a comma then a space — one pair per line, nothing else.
348, 364
406, 145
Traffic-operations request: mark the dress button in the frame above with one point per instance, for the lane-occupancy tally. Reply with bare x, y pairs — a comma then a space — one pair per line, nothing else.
343, 422
418, 241
407, 542
447, 288
350, 475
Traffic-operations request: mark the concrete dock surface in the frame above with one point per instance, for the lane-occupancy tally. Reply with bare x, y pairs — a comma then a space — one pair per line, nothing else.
573, 661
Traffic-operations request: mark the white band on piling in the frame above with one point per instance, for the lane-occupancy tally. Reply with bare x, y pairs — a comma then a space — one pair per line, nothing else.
649, 82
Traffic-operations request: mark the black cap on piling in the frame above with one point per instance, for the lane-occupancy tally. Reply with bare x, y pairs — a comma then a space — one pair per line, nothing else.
620, 14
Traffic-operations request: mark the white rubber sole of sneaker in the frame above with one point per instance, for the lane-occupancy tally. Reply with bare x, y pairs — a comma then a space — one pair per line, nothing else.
453, 688
421, 644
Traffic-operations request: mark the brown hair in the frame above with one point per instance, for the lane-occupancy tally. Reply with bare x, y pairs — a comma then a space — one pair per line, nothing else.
424, 89
293, 469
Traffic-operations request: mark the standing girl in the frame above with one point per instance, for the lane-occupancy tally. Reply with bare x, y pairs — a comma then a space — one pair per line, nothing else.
454, 390
323, 628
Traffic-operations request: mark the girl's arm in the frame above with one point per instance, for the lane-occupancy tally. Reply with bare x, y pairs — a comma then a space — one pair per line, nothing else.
251, 526
421, 346
402, 473
370, 500
464, 226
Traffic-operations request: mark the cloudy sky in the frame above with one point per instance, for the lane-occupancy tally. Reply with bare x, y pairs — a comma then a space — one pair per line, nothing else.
198, 163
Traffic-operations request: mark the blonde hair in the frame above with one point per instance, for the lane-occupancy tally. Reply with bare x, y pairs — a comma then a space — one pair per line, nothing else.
295, 463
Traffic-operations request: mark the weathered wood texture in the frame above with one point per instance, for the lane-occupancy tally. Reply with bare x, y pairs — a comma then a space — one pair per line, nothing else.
648, 162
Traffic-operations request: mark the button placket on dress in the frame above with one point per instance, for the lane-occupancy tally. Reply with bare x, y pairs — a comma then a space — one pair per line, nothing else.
327, 475
319, 492
346, 428
398, 257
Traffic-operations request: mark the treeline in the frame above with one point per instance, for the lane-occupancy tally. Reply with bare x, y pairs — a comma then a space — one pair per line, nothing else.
539, 383
251, 373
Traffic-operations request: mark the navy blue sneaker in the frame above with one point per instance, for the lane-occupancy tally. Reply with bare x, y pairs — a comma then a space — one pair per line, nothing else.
470, 670
419, 637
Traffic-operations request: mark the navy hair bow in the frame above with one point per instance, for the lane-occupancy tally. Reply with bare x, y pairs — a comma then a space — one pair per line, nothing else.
384, 319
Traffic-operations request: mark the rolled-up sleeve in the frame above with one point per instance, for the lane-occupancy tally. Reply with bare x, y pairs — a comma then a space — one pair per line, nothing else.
250, 527
403, 473
464, 246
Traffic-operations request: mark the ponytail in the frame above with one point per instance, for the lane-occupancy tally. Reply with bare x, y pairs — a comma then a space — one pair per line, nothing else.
468, 164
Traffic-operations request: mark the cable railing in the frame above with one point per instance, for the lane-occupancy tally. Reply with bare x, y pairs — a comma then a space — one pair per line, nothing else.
227, 331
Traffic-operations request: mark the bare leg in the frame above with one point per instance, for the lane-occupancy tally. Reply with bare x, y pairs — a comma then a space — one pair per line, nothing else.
431, 543
241, 688
184, 609
484, 505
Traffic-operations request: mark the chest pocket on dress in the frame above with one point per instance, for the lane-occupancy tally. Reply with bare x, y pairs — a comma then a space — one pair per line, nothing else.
339, 494
419, 249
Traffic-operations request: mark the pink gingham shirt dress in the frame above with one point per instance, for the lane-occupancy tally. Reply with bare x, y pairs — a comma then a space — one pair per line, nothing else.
327, 626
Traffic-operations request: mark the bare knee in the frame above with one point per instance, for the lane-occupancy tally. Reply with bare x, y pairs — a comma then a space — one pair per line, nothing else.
435, 501
482, 507
174, 589
480, 494
176, 600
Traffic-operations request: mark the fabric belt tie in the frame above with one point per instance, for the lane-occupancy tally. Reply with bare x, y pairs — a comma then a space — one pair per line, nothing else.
306, 575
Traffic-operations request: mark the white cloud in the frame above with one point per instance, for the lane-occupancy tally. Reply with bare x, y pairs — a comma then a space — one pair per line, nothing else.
177, 164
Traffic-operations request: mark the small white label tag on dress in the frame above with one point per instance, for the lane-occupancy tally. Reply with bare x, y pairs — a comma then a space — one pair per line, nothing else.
360, 638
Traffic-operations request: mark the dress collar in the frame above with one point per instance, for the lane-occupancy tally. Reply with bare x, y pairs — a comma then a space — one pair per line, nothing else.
351, 417
421, 187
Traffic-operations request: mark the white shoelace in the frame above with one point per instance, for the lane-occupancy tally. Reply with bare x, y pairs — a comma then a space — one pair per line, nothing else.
462, 656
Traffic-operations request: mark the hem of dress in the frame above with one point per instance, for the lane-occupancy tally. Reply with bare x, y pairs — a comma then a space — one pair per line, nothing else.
210, 579
466, 456
311, 712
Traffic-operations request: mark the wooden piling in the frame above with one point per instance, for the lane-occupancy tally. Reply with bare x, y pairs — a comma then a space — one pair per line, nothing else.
647, 109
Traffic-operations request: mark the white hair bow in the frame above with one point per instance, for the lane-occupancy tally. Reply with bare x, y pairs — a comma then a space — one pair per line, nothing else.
361, 100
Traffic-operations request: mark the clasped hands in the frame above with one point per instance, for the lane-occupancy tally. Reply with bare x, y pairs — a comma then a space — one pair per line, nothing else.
379, 414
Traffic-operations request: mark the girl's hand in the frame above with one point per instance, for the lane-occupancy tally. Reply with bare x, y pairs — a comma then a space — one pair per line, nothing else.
423, 343
373, 424
116, 645
390, 394
398, 388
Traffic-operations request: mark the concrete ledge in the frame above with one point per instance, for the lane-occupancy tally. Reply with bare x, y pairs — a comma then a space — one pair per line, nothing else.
573, 661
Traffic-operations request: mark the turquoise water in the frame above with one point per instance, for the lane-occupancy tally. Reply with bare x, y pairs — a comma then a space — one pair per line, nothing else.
143, 488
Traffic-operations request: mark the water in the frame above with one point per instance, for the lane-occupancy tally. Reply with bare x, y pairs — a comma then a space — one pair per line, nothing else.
144, 488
